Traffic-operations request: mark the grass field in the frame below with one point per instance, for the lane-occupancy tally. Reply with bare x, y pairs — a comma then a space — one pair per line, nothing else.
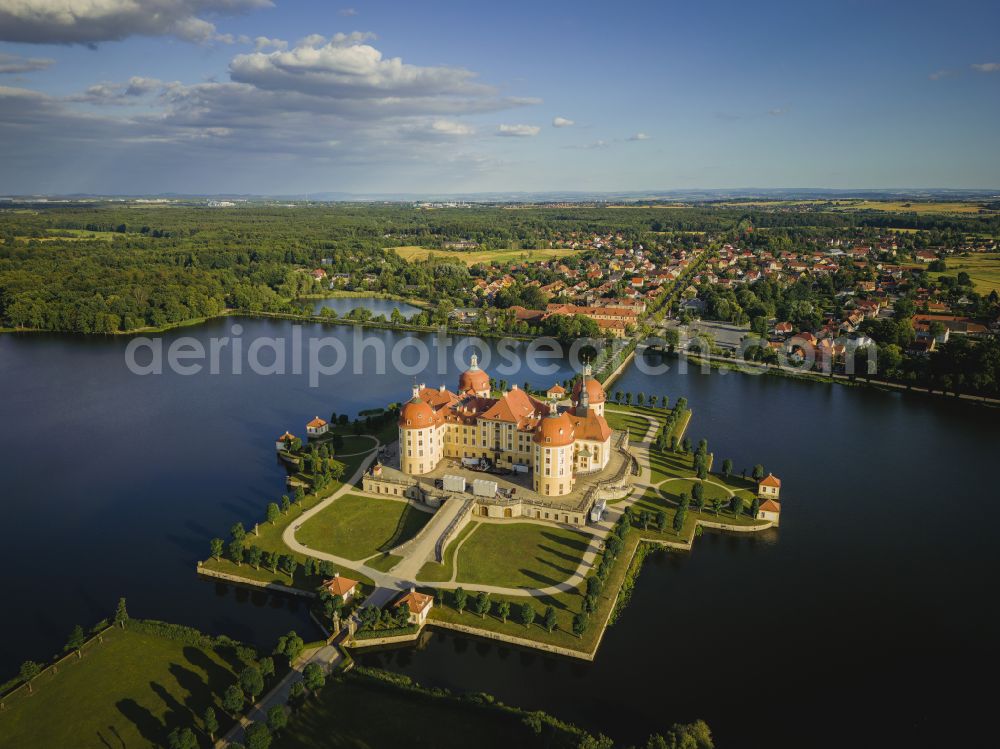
352, 713
520, 555
269, 539
129, 691
900, 206
412, 253
624, 417
433, 572
983, 269
357, 527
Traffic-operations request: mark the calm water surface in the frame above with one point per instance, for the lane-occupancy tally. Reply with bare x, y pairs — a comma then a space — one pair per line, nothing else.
113, 484
869, 619
343, 305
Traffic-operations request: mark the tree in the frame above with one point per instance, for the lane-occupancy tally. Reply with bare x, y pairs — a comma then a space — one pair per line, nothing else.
277, 718
254, 555
182, 738
238, 533
258, 736
483, 604
216, 546
755, 507
727, 467
273, 512
460, 598
286, 504
313, 677
503, 610
211, 722
679, 518
29, 670
661, 521
121, 614
717, 505
618, 396
758, 472
579, 624
628, 398
550, 618
266, 666
76, 641
640, 399
233, 699
291, 646
736, 505
251, 682
527, 614
236, 552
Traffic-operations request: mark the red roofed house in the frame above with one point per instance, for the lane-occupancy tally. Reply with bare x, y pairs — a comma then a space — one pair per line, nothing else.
341, 586
317, 427
284, 441
769, 487
419, 604
556, 392
769, 509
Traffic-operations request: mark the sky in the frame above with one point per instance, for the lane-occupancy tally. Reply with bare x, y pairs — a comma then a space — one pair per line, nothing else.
274, 97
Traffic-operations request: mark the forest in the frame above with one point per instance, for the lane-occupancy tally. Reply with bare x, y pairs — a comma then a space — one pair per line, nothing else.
113, 266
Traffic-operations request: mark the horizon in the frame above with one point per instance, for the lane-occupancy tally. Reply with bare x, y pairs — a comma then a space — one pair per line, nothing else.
280, 98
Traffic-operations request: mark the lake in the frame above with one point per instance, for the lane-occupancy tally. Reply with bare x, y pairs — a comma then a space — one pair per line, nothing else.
873, 604
343, 305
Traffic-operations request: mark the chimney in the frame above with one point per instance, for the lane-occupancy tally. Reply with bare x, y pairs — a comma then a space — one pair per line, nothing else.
336, 574
413, 589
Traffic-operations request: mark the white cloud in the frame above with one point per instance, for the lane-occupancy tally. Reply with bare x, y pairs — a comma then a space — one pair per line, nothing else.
937, 75
263, 42
18, 64
450, 127
92, 21
347, 12
119, 93
562, 122
639, 136
518, 131
987, 67
346, 66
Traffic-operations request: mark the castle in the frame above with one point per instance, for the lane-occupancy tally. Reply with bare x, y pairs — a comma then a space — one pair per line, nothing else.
515, 431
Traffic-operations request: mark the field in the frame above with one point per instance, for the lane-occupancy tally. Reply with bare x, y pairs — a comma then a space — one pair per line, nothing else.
130, 690
411, 253
520, 555
354, 713
897, 206
358, 527
983, 269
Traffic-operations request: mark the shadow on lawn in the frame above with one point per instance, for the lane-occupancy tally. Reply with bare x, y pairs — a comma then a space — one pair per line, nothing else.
148, 725
577, 542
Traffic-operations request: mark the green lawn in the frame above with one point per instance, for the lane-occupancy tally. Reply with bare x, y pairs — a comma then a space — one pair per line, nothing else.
129, 691
520, 555
433, 572
630, 418
357, 527
983, 268
354, 713
269, 539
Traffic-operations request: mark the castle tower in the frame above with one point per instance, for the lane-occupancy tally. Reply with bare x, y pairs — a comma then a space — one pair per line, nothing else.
595, 396
553, 469
420, 447
474, 380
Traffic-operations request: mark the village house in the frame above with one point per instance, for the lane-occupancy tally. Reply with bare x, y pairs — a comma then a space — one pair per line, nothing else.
419, 604
341, 586
284, 441
317, 427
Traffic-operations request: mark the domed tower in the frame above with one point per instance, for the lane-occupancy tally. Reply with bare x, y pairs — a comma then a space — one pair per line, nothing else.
588, 393
474, 380
553, 469
419, 444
